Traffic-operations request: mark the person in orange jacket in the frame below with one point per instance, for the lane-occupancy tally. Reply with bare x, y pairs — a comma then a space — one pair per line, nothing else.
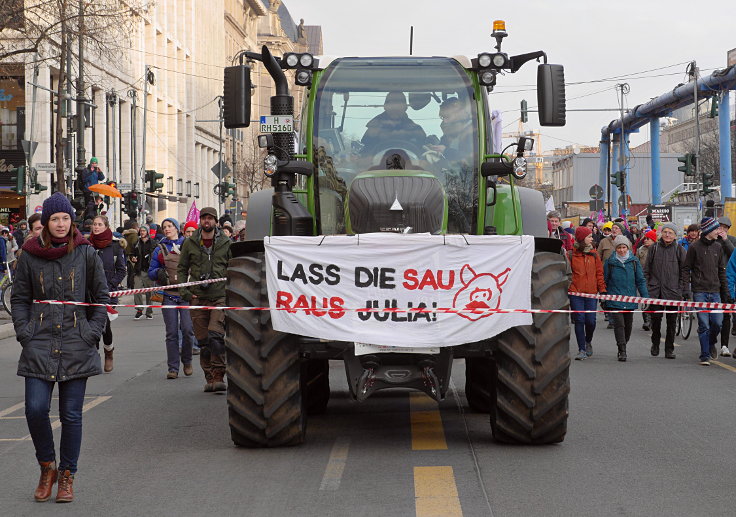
587, 277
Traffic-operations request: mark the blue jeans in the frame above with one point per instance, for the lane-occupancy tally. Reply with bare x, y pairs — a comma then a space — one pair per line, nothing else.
38, 405
176, 319
709, 324
584, 322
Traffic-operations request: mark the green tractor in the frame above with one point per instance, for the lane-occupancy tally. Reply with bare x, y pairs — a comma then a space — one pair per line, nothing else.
373, 130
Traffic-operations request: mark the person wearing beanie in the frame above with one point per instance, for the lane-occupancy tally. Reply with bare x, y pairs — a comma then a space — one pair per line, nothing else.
163, 270
727, 243
648, 239
665, 272
91, 175
189, 228
21, 232
587, 277
140, 260
623, 275
60, 260
606, 247
209, 325
705, 271
112, 256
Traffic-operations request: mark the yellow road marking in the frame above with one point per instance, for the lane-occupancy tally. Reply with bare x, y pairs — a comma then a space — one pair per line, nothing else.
723, 365
427, 433
435, 492
335, 465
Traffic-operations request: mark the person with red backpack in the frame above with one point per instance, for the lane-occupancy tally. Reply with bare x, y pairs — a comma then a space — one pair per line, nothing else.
163, 270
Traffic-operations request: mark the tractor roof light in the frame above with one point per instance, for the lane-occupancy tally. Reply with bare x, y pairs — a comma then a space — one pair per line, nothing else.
303, 78
499, 32
500, 60
291, 60
487, 78
484, 60
270, 165
306, 60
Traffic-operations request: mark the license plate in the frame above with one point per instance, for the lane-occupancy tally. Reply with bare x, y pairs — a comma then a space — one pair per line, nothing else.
277, 124
367, 348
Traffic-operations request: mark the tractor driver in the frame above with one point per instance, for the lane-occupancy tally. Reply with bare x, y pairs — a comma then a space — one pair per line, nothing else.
393, 127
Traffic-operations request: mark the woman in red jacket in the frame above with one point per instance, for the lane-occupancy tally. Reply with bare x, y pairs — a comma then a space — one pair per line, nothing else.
587, 277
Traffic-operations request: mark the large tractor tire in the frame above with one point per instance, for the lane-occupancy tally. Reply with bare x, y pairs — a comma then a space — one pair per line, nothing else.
316, 385
533, 362
264, 394
480, 373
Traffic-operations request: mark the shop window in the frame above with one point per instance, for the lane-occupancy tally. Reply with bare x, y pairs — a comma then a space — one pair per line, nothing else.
12, 112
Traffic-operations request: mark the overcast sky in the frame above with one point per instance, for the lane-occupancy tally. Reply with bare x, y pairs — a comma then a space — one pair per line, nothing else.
594, 40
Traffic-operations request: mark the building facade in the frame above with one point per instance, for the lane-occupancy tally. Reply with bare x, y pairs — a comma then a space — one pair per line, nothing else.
155, 99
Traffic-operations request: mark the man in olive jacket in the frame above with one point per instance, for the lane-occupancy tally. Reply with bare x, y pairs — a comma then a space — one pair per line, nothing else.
205, 256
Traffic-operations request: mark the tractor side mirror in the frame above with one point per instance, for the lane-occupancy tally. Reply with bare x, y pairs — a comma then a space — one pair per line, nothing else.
236, 96
551, 95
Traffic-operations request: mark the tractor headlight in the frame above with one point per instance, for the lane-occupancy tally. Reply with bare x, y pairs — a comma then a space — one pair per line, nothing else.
499, 60
519, 167
270, 165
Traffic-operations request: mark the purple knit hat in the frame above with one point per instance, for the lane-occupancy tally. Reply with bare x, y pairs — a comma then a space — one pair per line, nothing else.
55, 204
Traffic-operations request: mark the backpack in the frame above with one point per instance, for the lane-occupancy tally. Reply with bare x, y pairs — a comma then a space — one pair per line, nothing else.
171, 264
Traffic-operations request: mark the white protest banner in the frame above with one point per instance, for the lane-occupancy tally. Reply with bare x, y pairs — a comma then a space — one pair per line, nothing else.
324, 277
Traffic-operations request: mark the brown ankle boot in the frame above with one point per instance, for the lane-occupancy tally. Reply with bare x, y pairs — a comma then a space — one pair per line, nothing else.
108, 360
218, 379
46, 482
65, 493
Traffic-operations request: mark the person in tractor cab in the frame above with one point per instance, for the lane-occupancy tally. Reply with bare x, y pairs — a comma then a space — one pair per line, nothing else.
457, 132
393, 126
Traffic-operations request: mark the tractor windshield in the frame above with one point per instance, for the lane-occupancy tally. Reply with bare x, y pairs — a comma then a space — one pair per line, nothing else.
396, 114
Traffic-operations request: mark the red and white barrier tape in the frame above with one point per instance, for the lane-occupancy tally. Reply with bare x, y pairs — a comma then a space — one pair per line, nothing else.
656, 301
117, 294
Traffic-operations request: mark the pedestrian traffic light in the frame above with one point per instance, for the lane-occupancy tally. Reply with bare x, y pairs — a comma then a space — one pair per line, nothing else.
19, 179
152, 178
618, 179
707, 182
524, 111
34, 183
689, 162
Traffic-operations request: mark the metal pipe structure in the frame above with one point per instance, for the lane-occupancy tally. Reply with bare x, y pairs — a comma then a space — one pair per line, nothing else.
614, 163
603, 181
656, 174
682, 95
724, 146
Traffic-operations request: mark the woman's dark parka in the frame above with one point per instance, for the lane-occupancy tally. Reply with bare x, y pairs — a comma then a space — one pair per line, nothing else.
59, 342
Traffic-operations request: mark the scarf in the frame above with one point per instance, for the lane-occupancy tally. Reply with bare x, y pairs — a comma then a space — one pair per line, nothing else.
624, 258
101, 240
57, 250
583, 248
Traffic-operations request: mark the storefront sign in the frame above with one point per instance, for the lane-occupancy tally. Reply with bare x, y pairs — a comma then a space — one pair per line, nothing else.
661, 213
321, 283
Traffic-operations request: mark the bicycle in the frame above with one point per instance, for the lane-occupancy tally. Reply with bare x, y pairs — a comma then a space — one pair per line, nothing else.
685, 321
6, 287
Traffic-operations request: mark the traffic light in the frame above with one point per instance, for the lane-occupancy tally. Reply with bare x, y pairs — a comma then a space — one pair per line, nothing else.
713, 107
689, 162
524, 111
707, 182
34, 184
130, 204
152, 178
225, 189
65, 105
19, 179
618, 179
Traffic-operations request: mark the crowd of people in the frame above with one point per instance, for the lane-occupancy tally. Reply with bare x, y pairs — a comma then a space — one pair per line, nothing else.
617, 259
56, 259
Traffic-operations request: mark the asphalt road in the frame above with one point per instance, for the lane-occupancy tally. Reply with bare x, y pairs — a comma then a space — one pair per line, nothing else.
647, 437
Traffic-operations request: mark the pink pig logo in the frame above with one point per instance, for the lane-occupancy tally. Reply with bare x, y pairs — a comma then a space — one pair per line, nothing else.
479, 292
